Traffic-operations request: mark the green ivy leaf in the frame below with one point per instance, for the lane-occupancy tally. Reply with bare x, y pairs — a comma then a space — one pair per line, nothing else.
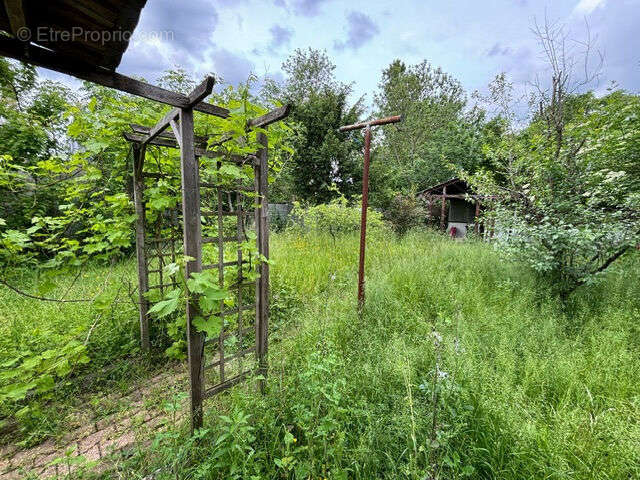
210, 327
167, 306
46, 383
211, 297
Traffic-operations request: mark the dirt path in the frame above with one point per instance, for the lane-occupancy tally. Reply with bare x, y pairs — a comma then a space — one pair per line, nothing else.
97, 439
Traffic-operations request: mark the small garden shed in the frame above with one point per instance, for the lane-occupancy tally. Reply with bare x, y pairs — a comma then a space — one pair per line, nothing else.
455, 204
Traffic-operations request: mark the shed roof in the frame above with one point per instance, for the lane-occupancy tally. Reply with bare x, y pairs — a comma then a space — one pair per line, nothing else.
455, 186
95, 32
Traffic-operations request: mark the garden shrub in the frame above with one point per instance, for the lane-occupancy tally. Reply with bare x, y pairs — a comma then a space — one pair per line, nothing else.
405, 213
336, 217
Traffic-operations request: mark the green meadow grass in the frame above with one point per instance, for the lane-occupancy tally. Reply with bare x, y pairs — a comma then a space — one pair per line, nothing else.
28, 324
462, 366
29, 327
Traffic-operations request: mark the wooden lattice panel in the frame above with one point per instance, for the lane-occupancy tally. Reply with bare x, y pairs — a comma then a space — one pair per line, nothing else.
231, 356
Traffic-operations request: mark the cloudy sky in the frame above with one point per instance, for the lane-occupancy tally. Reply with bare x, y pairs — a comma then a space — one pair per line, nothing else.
471, 39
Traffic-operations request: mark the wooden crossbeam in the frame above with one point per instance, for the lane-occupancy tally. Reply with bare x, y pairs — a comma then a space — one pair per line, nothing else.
46, 58
219, 240
459, 196
157, 135
161, 126
229, 359
214, 110
233, 311
227, 334
159, 141
202, 91
269, 117
232, 263
176, 131
15, 12
372, 123
165, 141
199, 93
226, 384
199, 140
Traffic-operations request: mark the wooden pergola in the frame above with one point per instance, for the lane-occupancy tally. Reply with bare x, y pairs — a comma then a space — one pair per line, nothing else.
96, 62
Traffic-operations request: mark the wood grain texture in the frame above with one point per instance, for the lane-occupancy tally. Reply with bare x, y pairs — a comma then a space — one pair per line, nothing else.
192, 240
15, 13
80, 67
162, 125
143, 276
262, 285
270, 117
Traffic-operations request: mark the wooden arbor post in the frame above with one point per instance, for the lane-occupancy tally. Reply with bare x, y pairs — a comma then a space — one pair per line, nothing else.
262, 285
143, 276
192, 240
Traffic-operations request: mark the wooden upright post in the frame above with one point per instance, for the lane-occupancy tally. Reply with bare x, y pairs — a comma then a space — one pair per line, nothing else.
262, 286
192, 238
443, 225
143, 275
477, 218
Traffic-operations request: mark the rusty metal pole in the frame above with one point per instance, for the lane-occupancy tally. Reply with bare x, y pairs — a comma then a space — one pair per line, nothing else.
363, 217
365, 192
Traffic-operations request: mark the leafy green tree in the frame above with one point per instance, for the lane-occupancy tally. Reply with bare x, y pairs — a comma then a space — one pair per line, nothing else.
566, 189
32, 129
438, 133
323, 156
406, 212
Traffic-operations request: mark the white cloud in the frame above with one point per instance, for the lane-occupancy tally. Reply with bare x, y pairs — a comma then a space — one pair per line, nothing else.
585, 7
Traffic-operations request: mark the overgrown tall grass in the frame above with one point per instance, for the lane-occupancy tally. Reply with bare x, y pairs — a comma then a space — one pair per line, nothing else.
462, 366
105, 323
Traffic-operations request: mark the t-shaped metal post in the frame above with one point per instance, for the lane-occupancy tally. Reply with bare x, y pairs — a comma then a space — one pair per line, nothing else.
365, 192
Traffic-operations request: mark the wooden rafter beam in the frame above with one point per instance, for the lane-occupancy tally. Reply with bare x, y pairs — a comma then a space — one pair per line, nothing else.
15, 12
199, 93
175, 126
270, 117
167, 138
46, 58
202, 91
158, 141
200, 140
461, 196
172, 143
160, 127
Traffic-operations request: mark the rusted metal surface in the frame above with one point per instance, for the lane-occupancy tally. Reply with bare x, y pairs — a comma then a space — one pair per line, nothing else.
365, 193
372, 123
363, 216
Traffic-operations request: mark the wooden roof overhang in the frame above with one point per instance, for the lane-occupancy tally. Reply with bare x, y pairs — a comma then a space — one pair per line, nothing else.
85, 39
454, 186
97, 32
